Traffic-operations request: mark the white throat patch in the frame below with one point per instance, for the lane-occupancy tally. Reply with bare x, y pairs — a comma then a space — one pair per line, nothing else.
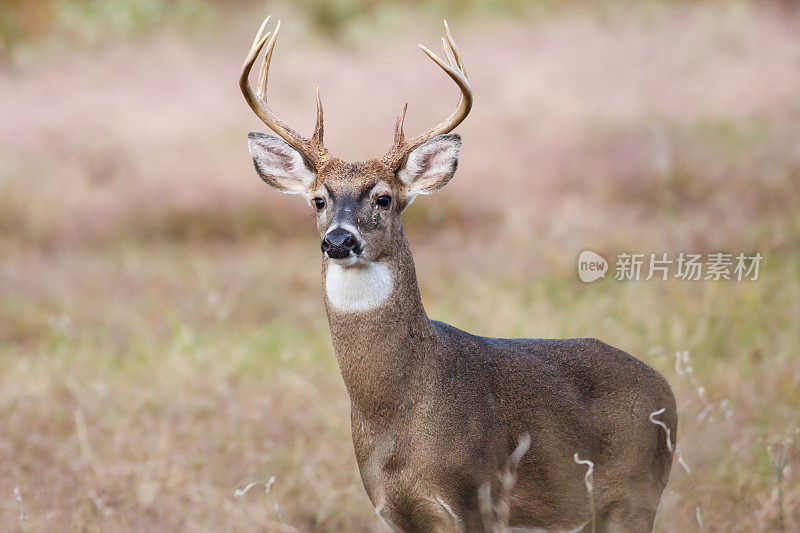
358, 288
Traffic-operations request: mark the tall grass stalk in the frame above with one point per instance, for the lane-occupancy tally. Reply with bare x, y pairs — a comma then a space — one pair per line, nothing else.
588, 480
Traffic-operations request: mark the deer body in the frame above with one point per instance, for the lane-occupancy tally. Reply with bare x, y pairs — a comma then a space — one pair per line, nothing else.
438, 414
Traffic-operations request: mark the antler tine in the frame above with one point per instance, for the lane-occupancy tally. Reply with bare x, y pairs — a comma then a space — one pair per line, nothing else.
457, 72
244, 82
448, 53
454, 49
318, 128
312, 148
263, 73
451, 58
260, 32
399, 136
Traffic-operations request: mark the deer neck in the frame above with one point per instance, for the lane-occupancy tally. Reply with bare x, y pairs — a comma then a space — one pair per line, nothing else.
378, 327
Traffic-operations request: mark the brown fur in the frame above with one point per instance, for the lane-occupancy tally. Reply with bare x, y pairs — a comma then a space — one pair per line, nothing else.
436, 412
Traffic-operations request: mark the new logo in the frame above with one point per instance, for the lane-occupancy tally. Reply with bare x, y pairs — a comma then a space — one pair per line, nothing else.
591, 266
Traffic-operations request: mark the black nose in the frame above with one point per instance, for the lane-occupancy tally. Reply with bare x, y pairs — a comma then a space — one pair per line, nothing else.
338, 243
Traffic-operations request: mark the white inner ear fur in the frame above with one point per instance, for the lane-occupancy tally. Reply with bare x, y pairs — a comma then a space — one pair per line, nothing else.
358, 288
431, 165
280, 165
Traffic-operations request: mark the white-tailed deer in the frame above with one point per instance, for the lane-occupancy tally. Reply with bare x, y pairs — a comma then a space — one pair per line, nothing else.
437, 414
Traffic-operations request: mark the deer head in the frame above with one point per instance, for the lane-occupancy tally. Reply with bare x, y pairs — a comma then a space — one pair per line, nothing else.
358, 205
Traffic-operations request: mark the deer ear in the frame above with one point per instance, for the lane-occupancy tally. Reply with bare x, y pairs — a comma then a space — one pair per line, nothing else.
280, 165
430, 166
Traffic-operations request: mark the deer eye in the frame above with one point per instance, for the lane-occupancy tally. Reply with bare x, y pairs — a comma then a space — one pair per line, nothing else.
383, 200
319, 203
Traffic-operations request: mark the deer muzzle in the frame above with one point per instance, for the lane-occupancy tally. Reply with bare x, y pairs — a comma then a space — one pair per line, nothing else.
340, 243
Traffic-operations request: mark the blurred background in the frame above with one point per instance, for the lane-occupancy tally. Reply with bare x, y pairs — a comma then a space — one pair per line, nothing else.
163, 340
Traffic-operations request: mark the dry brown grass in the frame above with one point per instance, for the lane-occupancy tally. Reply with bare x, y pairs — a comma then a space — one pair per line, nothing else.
162, 337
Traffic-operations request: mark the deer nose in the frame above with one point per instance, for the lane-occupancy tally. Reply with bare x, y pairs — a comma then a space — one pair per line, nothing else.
338, 243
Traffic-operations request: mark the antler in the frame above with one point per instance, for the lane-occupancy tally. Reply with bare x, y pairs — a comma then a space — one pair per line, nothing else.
312, 148
457, 71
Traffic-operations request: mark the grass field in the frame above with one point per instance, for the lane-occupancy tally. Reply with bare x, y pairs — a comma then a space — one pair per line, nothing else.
162, 336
